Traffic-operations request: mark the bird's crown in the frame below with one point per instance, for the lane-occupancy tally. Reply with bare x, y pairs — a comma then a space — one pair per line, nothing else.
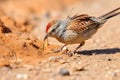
50, 24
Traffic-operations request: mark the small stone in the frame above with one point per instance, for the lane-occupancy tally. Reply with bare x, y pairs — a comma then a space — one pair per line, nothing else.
109, 59
79, 69
63, 61
64, 72
93, 54
76, 67
64, 48
22, 76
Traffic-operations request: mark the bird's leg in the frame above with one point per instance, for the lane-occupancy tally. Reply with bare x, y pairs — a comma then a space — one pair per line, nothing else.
73, 52
59, 49
80, 45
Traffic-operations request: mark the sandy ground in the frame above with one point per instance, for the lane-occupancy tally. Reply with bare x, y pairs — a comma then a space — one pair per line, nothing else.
22, 28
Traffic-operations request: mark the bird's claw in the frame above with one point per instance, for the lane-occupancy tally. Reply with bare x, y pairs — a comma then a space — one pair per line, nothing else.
67, 52
71, 53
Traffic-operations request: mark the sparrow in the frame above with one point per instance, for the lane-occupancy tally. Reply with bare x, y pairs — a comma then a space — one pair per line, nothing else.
77, 29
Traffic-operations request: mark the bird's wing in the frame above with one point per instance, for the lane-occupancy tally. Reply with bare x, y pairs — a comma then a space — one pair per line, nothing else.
81, 23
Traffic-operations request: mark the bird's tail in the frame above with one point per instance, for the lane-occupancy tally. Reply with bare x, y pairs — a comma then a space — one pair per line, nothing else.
110, 14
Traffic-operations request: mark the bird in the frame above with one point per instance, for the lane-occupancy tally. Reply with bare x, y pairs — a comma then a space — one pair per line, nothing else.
77, 28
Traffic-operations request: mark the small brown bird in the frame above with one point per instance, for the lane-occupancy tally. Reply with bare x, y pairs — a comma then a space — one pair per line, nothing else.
77, 29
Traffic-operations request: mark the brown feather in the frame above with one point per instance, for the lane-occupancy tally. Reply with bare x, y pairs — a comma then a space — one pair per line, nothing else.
80, 23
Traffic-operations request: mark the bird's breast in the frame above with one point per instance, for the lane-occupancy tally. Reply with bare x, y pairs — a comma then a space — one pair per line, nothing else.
70, 37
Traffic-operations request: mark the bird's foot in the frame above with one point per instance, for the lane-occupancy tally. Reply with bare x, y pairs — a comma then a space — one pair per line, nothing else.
71, 53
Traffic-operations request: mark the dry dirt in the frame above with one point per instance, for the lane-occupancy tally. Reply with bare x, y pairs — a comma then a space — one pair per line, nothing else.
22, 28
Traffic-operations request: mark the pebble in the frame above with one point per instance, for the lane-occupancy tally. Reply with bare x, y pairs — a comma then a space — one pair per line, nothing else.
64, 72
22, 76
63, 61
109, 59
79, 69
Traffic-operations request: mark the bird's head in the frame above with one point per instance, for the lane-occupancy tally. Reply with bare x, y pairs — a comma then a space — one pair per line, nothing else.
51, 27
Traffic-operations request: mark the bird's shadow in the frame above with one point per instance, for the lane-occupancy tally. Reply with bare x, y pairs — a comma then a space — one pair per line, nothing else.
100, 51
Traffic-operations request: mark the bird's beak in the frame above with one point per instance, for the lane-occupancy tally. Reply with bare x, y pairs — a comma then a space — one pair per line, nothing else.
45, 41
46, 36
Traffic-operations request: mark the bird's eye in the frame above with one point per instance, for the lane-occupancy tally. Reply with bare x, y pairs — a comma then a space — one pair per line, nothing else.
53, 30
57, 25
